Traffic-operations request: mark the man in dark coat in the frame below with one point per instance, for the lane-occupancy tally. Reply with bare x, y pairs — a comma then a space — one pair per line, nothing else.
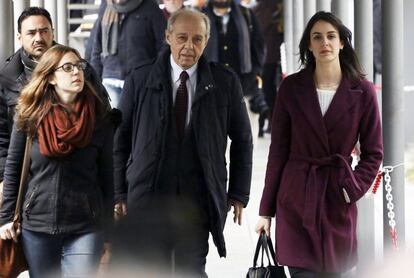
126, 33
237, 42
35, 33
270, 16
170, 165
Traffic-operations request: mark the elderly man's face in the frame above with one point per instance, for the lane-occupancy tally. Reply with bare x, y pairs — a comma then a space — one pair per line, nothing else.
187, 40
36, 35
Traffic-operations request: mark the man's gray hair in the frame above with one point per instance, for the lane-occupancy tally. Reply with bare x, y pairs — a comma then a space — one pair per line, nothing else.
189, 12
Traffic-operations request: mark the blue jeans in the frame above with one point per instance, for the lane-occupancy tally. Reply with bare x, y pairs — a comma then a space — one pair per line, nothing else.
114, 88
62, 255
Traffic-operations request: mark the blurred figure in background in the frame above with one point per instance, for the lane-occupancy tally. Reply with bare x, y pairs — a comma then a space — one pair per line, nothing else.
237, 43
127, 33
198, 5
269, 13
171, 6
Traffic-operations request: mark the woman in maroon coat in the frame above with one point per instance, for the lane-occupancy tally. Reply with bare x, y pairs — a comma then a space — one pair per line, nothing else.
320, 114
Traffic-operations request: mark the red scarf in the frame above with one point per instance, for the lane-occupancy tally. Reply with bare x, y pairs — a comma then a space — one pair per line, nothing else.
61, 130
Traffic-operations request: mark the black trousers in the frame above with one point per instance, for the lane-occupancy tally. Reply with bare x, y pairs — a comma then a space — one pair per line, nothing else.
167, 237
271, 81
296, 272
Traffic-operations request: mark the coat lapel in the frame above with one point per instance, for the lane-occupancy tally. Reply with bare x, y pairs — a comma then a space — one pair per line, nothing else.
308, 102
205, 80
346, 96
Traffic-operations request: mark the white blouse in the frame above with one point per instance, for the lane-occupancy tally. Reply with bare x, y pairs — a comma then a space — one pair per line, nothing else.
325, 98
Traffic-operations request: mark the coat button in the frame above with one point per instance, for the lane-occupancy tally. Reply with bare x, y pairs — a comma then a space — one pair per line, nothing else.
227, 64
225, 47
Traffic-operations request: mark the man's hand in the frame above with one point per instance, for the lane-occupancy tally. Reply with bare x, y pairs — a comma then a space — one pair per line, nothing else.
120, 210
264, 224
237, 210
8, 231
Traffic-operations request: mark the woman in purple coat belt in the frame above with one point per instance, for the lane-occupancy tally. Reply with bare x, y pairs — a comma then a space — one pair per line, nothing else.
320, 114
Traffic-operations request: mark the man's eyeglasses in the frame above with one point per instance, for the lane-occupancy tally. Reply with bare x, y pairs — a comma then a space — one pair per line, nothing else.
69, 67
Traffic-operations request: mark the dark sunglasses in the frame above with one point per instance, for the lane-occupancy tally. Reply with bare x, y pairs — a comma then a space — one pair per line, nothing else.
69, 67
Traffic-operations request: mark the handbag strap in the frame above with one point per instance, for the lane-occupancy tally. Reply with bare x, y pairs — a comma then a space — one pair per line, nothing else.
256, 253
23, 178
263, 244
267, 245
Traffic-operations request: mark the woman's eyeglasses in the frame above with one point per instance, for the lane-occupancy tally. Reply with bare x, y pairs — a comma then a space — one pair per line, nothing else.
69, 67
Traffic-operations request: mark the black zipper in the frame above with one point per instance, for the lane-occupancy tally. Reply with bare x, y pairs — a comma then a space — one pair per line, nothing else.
55, 229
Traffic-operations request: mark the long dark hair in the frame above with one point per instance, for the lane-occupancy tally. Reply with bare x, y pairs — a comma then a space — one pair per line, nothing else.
350, 66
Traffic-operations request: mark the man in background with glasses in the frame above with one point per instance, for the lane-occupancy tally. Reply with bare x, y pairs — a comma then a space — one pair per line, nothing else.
35, 34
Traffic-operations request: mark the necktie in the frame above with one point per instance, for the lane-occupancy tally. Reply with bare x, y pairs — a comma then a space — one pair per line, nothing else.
181, 105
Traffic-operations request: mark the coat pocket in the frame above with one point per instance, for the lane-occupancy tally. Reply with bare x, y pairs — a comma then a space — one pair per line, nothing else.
30, 197
349, 189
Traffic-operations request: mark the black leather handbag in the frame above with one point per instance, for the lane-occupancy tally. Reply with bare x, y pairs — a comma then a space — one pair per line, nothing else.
264, 244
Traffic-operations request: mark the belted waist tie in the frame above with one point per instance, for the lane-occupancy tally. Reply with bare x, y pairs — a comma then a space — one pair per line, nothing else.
312, 188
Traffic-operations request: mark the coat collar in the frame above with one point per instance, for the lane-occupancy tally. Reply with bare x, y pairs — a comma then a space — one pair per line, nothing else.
346, 96
160, 76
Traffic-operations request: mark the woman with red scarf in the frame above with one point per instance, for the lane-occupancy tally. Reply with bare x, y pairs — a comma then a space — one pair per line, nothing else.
68, 206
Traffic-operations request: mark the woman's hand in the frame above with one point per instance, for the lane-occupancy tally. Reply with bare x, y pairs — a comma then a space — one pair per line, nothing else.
120, 210
264, 224
8, 231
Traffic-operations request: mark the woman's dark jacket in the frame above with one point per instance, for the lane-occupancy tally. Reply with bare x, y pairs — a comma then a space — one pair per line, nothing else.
140, 37
218, 111
14, 76
72, 194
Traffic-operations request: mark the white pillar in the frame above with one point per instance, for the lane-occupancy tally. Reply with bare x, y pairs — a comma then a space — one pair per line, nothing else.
309, 9
288, 35
51, 7
297, 31
343, 9
37, 3
323, 5
18, 8
6, 25
62, 24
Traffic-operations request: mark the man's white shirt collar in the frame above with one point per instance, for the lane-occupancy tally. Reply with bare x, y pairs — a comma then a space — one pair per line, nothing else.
176, 71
